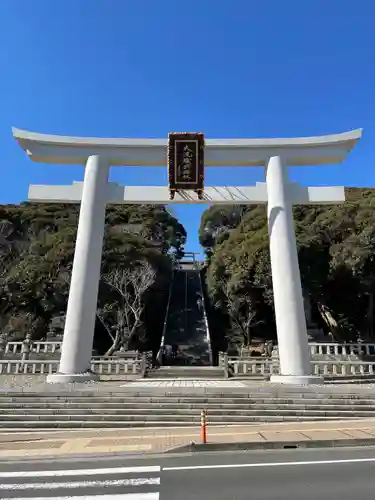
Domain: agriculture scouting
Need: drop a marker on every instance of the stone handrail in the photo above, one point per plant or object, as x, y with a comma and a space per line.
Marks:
235, 366
208, 334
332, 349
159, 355
37, 347
102, 366
335, 349
343, 368
316, 348
263, 367
116, 366
28, 349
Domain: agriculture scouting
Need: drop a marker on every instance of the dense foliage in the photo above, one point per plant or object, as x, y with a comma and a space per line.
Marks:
37, 247
336, 245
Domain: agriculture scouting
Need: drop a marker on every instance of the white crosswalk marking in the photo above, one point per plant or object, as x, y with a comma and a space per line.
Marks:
129, 496
41, 481
137, 481
80, 472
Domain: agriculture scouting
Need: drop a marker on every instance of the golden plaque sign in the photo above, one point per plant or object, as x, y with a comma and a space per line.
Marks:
186, 162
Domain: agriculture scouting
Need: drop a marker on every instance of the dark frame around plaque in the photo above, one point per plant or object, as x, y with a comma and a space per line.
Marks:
186, 162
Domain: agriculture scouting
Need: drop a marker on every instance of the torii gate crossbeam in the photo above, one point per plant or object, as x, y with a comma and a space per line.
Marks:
247, 195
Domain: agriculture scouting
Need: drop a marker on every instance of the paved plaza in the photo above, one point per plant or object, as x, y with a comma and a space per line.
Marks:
159, 384
109, 385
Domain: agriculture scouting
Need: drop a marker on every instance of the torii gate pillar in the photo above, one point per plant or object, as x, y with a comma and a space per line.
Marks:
279, 194
294, 356
83, 294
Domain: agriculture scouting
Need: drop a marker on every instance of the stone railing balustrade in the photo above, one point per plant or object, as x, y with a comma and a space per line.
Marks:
264, 367
35, 347
27, 350
337, 350
334, 349
344, 368
29, 367
102, 366
234, 365
316, 348
252, 367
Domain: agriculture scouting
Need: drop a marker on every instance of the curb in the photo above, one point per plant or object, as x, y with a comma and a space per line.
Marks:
273, 445
197, 448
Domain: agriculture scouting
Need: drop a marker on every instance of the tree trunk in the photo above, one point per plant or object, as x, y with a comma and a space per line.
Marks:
330, 322
115, 345
117, 340
133, 331
370, 316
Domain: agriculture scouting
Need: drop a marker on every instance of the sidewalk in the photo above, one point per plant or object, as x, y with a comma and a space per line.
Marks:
163, 440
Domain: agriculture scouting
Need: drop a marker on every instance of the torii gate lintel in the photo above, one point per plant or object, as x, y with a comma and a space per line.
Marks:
221, 195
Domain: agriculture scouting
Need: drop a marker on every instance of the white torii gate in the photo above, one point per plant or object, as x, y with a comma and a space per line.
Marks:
278, 192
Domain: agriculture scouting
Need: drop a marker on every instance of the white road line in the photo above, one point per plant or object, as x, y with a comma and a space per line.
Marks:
272, 464
138, 481
79, 472
126, 496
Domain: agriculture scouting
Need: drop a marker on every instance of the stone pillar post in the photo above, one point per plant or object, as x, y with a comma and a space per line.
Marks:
3, 344
294, 356
75, 363
26, 347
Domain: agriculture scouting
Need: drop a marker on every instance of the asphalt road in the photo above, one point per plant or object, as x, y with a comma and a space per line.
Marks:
342, 474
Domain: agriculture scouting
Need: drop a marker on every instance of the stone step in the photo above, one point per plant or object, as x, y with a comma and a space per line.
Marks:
179, 407
369, 405
90, 424
182, 408
183, 419
184, 412
186, 391
154, 376
195, 398
189, 403
190, 368
184, 415
186, 373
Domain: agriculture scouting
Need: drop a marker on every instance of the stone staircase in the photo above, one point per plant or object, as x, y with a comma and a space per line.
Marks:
187, 372
186, 327
84, 409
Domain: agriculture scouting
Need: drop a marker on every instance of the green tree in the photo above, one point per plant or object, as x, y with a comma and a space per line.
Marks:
37, 244
336, 246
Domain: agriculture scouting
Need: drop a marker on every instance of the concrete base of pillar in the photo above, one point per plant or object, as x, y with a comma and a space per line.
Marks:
69, 378
297, 379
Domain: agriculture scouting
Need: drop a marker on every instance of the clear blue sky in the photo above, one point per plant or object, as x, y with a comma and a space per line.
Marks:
142, 68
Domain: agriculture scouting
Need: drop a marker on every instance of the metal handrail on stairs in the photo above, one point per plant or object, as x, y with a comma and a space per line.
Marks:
208, 335
159, 355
